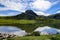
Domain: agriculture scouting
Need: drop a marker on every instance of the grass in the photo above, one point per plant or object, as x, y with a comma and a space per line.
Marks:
30, 38
44, 37
21, 21
11, 21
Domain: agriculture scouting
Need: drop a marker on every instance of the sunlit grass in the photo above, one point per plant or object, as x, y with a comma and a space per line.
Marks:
31, 38
42, 37
11, 21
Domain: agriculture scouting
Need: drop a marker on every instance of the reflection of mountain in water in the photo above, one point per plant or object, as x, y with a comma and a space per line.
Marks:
55, 25
31, 27
47, 30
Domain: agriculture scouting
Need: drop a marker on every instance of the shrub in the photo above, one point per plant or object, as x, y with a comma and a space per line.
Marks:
35, 34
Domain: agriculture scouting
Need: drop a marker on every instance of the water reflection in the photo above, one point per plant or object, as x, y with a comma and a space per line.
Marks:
26, 27
46, 30
12, 30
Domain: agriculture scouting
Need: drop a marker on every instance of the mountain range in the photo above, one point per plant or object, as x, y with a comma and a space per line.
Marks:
30, 15
55, 16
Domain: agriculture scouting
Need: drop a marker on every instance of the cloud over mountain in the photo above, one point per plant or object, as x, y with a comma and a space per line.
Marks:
22, 5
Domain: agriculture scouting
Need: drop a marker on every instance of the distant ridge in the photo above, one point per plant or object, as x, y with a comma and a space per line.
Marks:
31, 15
55, 16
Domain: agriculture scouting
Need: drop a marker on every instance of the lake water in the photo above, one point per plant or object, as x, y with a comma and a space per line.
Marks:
22, 30
46, 30
12, 30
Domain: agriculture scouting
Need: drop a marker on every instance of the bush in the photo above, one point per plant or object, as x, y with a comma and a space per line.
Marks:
35, 34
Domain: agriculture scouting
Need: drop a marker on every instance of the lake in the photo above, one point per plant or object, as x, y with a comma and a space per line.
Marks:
22, 30
12, 30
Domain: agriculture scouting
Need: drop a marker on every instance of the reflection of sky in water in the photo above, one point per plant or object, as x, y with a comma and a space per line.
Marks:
12, 30
9, 29
47, 29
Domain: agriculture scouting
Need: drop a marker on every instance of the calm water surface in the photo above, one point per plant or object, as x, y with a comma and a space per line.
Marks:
12, 30
24, 29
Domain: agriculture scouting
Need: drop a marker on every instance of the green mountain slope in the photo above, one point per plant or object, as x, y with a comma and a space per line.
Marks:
29, 14
55, 16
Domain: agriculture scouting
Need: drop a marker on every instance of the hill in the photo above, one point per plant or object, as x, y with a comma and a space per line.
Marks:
29, 14
55, 16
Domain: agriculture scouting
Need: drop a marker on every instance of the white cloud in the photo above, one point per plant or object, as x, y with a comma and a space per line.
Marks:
13, 5
9, 14
42, 4
42, 13
58, 11
19, 6
22, 5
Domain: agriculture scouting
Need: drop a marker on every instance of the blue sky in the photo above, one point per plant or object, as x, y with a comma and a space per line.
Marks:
41, 7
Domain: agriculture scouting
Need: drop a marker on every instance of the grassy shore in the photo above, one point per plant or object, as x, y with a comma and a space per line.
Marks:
44, 37
11, 21
21, 21
30, 38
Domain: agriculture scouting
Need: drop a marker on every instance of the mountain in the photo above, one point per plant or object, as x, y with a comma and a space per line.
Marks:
55, 16
29, 14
